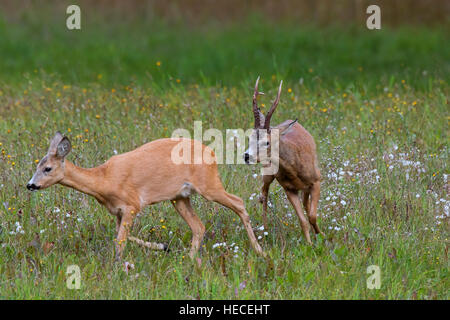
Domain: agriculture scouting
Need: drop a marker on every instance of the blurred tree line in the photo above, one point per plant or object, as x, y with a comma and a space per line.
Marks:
197, 12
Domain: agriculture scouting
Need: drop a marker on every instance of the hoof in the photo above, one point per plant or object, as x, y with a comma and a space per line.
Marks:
261, 198
166, 248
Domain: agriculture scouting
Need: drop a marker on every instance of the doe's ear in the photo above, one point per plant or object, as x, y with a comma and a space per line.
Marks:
285, 129
63, 148
54, 142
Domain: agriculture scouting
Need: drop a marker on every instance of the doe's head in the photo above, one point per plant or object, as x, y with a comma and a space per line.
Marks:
50, 169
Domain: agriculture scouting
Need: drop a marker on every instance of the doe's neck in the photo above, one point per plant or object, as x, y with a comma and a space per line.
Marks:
88, 181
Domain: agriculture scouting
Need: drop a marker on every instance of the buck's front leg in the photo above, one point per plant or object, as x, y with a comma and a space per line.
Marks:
126, 221
263, 198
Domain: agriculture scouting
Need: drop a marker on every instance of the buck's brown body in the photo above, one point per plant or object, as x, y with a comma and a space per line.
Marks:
298, 171
298, 165
128, 182
298, 159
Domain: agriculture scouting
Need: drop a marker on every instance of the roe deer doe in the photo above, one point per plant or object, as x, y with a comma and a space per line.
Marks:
128, 182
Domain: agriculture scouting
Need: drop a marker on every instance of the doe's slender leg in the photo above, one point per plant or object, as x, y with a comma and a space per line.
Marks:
184, 208
237, 205
125, 225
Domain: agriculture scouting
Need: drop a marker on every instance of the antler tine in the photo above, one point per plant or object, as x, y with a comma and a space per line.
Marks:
273, 107
256, 111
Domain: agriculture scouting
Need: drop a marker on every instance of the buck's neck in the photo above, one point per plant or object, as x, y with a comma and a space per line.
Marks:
88, 181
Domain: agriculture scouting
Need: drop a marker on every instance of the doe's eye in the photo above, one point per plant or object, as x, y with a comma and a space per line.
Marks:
267, 143
48, 169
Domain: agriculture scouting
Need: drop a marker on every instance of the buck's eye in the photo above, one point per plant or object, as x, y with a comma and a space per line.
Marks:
267, 143
48, 169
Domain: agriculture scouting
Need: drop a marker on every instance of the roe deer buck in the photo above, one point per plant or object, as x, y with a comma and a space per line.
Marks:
298, 165
128, 182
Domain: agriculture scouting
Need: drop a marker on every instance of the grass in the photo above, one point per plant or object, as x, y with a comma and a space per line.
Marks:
376, 103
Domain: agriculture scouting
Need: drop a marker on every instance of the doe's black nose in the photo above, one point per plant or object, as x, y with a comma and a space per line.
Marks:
246, 157
32, 186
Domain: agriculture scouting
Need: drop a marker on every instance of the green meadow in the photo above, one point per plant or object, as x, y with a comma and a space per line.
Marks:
376, 103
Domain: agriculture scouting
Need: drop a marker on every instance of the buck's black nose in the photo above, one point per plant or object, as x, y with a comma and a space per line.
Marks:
246, 157
32, 187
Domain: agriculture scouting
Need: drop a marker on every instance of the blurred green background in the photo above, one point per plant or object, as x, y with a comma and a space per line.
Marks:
225, 42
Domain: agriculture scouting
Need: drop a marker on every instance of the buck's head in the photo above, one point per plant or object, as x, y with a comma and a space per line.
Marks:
261, 138
50, 169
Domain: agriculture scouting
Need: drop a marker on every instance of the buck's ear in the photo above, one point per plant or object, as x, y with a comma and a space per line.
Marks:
285, 129
63, 148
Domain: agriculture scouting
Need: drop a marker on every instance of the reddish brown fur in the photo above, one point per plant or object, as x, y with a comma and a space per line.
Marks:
298, 166
298, 158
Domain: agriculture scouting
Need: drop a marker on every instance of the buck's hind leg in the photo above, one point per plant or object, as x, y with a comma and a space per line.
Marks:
307, 207
295, 201
184, 208
307, 201
312, 214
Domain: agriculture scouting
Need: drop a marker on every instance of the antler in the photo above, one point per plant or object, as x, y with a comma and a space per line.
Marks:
272, 108
259, 117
